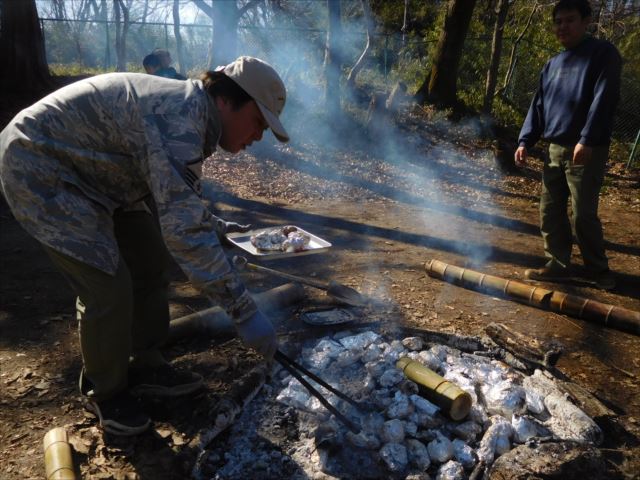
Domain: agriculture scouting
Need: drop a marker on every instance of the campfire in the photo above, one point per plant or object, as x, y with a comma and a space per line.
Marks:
401, 433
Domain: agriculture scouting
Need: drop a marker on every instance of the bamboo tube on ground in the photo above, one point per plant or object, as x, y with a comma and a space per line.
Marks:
454, 401
214, 321
58, 461
593, 311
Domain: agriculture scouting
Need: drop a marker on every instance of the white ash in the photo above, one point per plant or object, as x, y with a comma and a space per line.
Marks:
372, 353
464, 454
413, 344
393, 431
359, 342
524, 429
504, 398
570, 421
430, 360
395, 456
451, 471
418, 454
423, 405
406, 436
440, 449
391, 377
534, 402
495, 439
410, 429
400, 406
467, 431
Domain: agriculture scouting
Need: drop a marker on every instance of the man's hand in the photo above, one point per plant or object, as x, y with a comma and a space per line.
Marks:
582, 154
521, 156
257, 332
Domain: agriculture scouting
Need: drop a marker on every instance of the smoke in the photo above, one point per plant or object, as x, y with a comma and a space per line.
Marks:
417, 160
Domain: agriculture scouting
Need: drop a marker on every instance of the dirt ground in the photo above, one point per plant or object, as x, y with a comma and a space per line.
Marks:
387, 209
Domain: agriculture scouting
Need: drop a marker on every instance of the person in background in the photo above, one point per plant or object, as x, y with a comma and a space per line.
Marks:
166, 70
151, 64
573, 109
75, 169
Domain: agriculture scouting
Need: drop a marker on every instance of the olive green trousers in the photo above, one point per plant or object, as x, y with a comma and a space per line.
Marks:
562, 180
125, 317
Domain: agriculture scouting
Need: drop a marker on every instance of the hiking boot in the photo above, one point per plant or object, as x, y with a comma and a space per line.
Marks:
119, 415
549, 273
604, 280
163, 381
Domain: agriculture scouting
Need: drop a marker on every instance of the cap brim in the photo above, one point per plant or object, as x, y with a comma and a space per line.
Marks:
274, 123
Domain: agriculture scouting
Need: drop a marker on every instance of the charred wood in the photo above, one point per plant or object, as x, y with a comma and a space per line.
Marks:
227, 410
534, 353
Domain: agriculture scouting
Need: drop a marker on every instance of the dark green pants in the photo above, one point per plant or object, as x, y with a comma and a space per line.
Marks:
562, 180
126, 316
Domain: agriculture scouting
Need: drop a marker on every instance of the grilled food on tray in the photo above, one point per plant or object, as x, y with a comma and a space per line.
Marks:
283, 239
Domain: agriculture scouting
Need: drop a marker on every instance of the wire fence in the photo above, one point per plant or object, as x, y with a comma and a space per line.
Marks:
299, 56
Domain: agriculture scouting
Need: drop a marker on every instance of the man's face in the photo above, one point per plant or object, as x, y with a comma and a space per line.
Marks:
569, 27
165, 60
242, 127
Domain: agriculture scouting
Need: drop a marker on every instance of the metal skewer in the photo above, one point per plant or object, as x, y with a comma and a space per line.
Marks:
281, 357
292, 367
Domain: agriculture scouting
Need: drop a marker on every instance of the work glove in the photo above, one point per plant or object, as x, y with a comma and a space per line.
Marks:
258, 333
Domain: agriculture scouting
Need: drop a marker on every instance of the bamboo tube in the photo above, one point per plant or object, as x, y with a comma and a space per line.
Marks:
58, 461
454, 401
590, 310
215, 322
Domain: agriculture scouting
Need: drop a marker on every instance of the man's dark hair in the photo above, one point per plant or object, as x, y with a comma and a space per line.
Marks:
161, 51
217, 84
582, 6
151, 60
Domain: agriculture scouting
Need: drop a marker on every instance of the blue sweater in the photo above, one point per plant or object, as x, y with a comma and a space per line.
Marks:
576, 98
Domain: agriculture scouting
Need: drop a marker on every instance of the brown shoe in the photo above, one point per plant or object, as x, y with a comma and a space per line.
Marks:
547, 273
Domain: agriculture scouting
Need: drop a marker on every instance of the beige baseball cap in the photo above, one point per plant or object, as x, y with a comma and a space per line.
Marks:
265, 86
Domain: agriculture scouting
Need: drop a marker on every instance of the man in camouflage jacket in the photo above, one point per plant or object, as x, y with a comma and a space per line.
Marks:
75, 169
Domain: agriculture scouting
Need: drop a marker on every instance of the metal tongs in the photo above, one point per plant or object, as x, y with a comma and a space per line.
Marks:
296, 370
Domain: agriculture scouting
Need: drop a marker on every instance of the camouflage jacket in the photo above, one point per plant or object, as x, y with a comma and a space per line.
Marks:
106, 142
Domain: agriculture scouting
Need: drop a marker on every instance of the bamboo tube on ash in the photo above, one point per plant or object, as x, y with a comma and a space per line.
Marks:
590, 310
454, 401
57, 455
215, 322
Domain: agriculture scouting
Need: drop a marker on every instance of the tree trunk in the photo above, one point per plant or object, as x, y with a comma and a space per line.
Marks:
22, 48
104, 15
122, 27
225, 31
440, 86
176, 31
331, 58
351, 79
496, 52
224, 38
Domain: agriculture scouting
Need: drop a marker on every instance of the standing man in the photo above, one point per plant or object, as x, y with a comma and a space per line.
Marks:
573, 110
75, 169
151, 64
166, 70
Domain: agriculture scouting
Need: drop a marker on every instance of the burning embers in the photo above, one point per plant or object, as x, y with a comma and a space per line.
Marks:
408, 434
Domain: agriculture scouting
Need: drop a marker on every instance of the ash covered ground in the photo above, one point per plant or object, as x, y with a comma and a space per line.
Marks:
402, 435
433, 192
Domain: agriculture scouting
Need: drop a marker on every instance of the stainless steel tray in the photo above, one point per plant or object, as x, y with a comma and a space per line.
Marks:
243, 241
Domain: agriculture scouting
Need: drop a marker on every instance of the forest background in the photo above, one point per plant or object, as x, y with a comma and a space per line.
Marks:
496, 48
